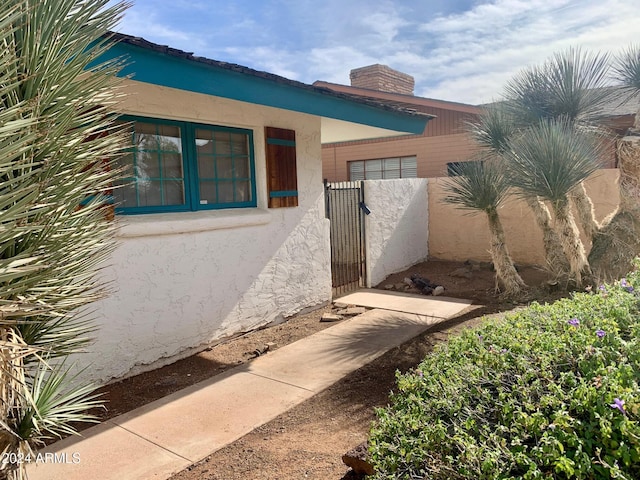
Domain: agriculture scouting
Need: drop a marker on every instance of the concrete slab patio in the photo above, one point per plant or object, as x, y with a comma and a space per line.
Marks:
163, 437
439, 307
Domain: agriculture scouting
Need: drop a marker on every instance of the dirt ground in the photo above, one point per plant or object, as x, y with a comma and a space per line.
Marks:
308, 441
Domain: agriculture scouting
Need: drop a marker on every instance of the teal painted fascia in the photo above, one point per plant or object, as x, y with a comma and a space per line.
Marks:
157, 68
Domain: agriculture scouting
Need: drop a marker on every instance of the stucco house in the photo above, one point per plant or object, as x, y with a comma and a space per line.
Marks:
221, 225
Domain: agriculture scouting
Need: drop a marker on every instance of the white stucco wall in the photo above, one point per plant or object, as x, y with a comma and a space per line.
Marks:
184, 280
397, 230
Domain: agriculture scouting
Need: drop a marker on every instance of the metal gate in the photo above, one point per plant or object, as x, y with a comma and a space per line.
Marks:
345, 208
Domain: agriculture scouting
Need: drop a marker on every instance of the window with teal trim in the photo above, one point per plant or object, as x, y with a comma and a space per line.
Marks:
184, 166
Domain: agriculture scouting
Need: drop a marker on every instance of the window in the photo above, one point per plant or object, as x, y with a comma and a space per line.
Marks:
383, 168
183, 166
453, 168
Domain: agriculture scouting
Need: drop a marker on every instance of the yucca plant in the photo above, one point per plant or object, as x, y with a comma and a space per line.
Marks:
569, 86
618, 242
493, 130
480, 186
57, 145
548, 161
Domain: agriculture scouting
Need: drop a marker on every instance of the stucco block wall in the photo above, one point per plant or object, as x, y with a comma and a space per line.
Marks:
432, 153
397, 230
183, 280
454, 235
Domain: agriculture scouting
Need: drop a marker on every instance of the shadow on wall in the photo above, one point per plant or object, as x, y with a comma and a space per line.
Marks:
455, 235
176, 293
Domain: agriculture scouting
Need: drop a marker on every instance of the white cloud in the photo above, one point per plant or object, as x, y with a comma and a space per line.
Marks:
465, 56
481, 49
266, 58
147, 25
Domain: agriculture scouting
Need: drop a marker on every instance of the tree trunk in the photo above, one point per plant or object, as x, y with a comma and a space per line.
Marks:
571, 243
507, 275
586, 213
12, 382
557, 262
618, 242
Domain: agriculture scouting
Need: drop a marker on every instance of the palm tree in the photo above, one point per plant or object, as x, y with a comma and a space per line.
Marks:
57, 147
480, 186
548, 161
615, 246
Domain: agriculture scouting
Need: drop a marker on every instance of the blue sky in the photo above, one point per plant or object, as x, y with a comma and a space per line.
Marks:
459, 50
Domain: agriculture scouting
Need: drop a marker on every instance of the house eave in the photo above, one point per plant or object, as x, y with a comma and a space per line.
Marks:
158, 65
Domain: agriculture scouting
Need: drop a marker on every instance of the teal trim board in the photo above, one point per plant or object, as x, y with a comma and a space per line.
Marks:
283, 193
279, 141
158, 68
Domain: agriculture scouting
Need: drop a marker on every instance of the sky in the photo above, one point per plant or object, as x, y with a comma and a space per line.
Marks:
457, 50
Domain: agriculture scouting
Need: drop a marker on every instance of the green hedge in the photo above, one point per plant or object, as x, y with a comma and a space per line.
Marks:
550, 392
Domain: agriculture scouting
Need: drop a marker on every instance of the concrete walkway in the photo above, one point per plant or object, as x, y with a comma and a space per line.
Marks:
163, 437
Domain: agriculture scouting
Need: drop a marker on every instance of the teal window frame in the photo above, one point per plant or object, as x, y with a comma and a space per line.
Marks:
191, 179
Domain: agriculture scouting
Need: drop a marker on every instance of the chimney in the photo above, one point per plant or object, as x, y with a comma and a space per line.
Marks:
382, 78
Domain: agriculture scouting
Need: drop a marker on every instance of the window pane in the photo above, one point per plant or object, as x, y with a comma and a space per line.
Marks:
147, 165
409, 167
172, 166
222, 143
169, 139
206, 166
225, 167
373, 174
149, 193
239, 145
356, 170
157, 167
225, 175
242, 169
144, 135
125, 162
225, 192
204, 141
391, 163
392, 173
125, 195
173, 192
243, 191
207, 193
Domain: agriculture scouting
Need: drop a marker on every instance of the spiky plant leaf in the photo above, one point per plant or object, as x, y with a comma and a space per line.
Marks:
493, 128
569, 85
550, 159
58, 146
55, 404
478, 185
627, 69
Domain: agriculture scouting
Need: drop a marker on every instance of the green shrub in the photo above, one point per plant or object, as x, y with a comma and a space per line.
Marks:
550, 392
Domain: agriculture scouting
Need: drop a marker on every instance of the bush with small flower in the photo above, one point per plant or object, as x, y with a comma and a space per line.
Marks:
550, 392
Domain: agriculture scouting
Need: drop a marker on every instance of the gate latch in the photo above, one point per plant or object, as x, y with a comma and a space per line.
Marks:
364, 208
